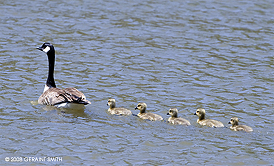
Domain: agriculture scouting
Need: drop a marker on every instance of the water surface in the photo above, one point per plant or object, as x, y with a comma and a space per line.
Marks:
212, 54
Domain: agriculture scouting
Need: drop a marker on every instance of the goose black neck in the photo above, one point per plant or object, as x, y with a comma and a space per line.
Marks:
51, 59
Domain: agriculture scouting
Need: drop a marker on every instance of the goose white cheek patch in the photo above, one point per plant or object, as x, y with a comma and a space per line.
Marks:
46, 49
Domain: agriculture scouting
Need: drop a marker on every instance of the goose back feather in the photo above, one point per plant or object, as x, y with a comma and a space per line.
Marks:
55, 96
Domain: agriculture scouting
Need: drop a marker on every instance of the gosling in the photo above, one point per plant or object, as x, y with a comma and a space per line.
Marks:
236, 127
173, 112
207, 122
117, 111
143, 115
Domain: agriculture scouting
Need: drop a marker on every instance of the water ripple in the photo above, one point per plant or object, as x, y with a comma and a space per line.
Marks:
211, 54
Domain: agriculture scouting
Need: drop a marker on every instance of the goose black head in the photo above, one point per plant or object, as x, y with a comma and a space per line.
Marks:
46, 47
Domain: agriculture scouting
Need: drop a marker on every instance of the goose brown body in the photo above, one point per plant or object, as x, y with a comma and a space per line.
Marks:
55, 96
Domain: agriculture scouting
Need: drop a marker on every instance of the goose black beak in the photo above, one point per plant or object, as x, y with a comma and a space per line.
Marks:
195, 113
168, 113
136, 108
229, 122
39, 48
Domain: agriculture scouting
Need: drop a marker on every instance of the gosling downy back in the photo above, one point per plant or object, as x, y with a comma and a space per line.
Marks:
143, 115
236, 127
173, 112
117, 111
207, 122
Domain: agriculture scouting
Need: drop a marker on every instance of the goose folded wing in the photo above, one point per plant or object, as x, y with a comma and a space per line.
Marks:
75, 96
54, 96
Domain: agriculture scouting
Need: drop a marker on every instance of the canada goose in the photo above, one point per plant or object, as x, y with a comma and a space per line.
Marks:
68, 97
173, 112
117, 111
143, 115
236, 127
206, 122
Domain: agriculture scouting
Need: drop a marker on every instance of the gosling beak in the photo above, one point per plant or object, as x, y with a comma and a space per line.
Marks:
168, 113
229, 122
195, 113
136, 108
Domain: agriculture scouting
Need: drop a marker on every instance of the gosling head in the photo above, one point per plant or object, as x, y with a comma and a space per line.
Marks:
142, 107
200, 113
46, 47
173, 112
111, 103
234, 121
